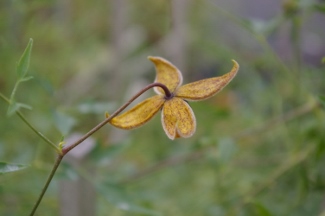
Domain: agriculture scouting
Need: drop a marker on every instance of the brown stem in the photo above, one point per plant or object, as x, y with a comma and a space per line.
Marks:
100, 125
48, 181
96, 128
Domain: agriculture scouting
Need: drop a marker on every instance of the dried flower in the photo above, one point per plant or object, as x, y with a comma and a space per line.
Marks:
177, 117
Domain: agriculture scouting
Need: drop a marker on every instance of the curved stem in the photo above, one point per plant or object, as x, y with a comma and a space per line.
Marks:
64, 151
47, 183
166, 90
100, 125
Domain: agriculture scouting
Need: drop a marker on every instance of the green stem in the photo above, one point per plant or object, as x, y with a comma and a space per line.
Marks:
47, 183
22, 117
4, 98
38, 133
14, 90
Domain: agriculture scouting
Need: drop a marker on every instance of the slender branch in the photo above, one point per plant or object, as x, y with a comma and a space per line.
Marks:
14, 90
39, 133
4, 98
47, 183
100, 125
23, 118
96, 128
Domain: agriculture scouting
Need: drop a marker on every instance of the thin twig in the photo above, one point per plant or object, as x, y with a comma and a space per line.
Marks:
96, 128
23, 118
47, 183
100, 125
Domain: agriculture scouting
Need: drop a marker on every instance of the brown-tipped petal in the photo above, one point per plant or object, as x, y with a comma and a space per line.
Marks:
139, 114
167, 74
178, 119
206, 88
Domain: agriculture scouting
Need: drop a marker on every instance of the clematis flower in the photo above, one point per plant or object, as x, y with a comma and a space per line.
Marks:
177, 117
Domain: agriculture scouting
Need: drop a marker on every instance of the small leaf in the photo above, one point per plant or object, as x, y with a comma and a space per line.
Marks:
23, 63
25, 106
61, 143
323, 60
15, 106
25, 79
8, 167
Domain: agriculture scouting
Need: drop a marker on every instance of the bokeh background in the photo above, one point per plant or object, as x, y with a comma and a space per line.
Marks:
259, 148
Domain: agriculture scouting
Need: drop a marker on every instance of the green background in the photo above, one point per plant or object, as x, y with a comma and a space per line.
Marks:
259, 148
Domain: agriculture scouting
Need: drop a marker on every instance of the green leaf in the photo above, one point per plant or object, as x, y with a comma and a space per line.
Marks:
23, 63
25, 106
25, 79
323, 60
15, 106
8, 167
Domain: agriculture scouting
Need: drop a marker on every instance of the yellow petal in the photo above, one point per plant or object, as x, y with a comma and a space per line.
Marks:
167, 74
139, 114
178, 118
206, 88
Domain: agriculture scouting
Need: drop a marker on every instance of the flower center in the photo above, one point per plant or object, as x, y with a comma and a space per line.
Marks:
169, 96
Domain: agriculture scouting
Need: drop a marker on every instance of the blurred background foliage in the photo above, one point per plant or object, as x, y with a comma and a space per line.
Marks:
259, 148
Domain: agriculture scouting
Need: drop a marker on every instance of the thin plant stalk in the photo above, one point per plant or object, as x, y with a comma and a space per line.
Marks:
47, 183
23, 118
65, 150
167, 93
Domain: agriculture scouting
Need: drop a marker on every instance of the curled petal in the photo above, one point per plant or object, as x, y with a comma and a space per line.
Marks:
139, 114
206, 88
167, 74
178, 119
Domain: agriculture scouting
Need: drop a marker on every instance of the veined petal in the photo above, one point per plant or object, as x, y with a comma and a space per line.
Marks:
178, 118
167, 74
139, 114
206, 88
